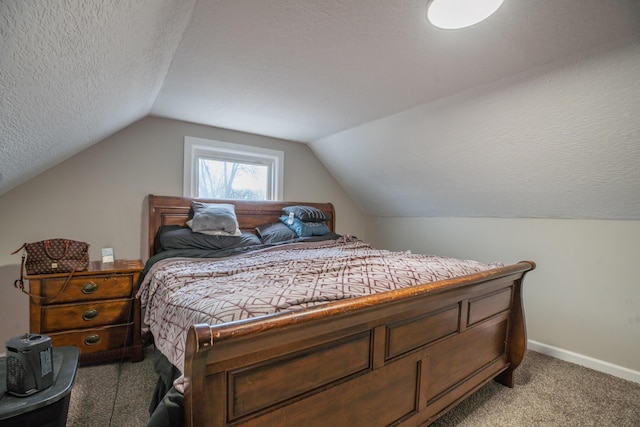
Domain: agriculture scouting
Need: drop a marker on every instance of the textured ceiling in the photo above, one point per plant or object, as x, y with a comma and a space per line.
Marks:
313, 71
73, 72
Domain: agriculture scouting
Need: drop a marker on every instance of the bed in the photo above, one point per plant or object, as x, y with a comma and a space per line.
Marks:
401, 356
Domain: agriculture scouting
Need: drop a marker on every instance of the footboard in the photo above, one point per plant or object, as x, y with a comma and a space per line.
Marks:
397, 358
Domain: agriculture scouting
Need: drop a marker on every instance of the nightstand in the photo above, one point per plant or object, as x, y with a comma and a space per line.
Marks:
97, 311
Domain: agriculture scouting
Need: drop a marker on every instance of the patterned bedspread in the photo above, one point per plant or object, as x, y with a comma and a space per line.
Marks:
179, 292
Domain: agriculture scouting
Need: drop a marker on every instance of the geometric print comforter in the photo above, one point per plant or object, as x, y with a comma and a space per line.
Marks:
179, 292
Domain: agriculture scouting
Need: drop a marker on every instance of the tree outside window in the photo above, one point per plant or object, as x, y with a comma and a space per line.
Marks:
220, 179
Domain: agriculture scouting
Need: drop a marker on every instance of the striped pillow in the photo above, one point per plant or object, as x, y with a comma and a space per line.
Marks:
306, 213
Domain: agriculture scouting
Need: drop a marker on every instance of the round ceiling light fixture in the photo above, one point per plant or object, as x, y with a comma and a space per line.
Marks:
455, 14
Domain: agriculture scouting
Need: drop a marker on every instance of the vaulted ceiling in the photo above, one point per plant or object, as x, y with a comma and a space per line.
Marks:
338, 75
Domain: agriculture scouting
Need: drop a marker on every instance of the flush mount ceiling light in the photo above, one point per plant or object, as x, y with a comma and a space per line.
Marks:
454, 14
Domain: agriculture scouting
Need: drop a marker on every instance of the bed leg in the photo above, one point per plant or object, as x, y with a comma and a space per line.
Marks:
506, 378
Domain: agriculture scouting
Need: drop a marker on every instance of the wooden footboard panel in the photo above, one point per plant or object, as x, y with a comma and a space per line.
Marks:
398, 358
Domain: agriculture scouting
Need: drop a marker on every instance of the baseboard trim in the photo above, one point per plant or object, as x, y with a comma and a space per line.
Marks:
589, 362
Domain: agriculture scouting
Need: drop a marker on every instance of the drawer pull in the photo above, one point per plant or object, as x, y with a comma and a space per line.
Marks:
90, 314
89, 288
92, 339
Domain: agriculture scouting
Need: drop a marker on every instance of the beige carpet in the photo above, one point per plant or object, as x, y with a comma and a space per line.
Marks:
95, 403
551, 392
548, 392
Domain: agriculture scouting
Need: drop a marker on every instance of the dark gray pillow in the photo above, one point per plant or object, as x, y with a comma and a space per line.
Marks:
275, 232
214, 218
184, 238
306, 213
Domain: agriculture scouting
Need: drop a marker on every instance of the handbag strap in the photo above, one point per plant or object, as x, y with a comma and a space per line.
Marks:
24, 245
47, 249
19, 283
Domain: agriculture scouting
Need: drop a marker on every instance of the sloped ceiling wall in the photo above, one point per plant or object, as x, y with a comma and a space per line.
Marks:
561, 142
74, 72
410, 119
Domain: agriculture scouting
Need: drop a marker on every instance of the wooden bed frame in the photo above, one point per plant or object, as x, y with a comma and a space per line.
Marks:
397, 358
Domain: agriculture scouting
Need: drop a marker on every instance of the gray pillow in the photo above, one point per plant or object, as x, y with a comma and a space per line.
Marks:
214, 218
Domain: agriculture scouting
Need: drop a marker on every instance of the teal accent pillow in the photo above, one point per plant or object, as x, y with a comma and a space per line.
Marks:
305, 229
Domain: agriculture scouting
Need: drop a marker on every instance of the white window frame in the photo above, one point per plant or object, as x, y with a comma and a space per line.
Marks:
196, 147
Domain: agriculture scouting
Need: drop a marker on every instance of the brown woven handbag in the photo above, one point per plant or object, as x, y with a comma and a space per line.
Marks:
56, 256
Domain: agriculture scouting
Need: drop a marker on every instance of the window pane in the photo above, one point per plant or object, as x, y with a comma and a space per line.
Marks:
258, 172
220, 179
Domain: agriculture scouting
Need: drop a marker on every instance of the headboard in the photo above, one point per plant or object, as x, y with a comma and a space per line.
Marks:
173, 210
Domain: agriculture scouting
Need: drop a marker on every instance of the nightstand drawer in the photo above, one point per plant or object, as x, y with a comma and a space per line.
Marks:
94, 340
86, 315
89, 288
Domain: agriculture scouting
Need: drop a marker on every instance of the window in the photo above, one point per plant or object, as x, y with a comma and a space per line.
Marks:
221, 170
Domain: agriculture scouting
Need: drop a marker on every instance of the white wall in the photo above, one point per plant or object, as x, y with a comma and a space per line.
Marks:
584, 295
99, 196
